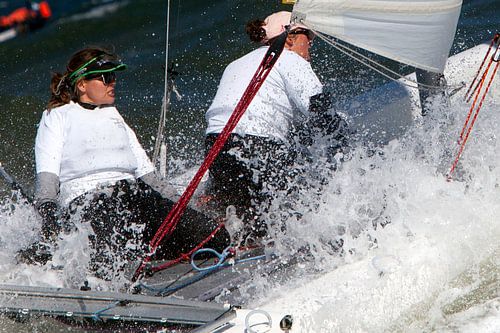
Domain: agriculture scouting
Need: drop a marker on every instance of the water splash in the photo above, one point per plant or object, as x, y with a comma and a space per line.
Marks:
389, 204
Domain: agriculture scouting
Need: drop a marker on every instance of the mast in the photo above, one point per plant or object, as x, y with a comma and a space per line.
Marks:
427, 78
160, 150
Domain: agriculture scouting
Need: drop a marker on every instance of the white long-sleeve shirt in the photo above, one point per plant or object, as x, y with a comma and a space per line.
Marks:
88, 148
282, 99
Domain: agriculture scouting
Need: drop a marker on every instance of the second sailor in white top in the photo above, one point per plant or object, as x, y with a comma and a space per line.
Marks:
257, 158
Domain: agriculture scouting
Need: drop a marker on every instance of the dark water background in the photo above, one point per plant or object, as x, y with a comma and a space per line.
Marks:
204, 37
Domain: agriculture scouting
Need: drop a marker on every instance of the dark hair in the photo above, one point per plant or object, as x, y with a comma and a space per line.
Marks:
255, 31
62, 91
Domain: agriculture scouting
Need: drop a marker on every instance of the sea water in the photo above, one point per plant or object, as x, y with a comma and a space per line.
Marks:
382, 199
436, 253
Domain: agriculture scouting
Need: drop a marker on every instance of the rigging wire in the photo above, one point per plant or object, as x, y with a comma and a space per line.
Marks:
14, 184
372, 64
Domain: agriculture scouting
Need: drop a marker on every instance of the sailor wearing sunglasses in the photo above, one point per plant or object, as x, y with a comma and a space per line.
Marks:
257, 154
256, 161
88, 160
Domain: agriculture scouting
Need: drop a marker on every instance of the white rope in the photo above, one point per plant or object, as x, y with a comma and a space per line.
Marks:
370, 63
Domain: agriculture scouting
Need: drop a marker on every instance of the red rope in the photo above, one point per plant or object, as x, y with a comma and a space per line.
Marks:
477, 91
186, 256
468, 125
479, 84
169, 224
467, 97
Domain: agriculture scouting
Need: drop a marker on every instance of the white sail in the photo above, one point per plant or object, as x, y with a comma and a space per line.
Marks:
415, 32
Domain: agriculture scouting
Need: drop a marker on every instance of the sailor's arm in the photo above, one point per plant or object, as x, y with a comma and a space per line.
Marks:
325, 119
46, 192
323, 123
48, 152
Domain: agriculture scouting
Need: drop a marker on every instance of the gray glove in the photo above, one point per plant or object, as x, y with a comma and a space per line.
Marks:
51, 227
46, 191
40, 251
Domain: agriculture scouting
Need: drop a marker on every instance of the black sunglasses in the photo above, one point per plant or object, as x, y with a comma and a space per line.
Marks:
106, 77
310, 35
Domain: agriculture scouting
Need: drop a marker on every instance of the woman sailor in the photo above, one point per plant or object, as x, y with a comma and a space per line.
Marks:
89, 159
257, 157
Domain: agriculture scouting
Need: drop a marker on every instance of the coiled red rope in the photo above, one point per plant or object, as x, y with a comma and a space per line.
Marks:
169, 224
